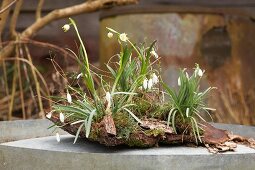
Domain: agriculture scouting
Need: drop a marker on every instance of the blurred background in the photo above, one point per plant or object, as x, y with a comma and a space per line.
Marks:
219, 35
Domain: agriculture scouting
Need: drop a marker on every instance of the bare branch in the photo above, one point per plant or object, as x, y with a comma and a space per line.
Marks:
4, 12
15, 18
88, 6
39, 9
6, 7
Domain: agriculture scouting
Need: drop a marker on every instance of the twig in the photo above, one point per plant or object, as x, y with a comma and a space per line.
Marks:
88, 6
6, 7
13, 92
15, 18
3, 15
37, 84
39, 10
20, 83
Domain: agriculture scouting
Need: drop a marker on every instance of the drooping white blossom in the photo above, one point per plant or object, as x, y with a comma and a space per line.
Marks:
49, 114
61, 117
58, 137
187, 75
123, 37
66, 27
155, 78
150, 84
187, 112
145, 84
108, 99
179, 81
110, 35
200, 72
153, 53
79, 75
68, 97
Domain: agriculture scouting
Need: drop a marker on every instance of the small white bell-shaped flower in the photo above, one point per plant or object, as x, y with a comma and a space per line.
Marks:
66, 27
61, 117
123, 37
58, 137
68, 97
145, 83
49, 114
179, 81
108, 98
155, 78
153, 53
150, 84
110, 35
79, 75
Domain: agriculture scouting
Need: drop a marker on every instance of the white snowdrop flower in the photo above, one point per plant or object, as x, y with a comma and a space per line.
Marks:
145, 84
155, 78
187, 75
123, 37
68, 97
79, 75
66, 27
200, 72
187, 112
150, 83
108, 99
58, 137
110, 35
179, 81
61, 117
49, 115
153, 53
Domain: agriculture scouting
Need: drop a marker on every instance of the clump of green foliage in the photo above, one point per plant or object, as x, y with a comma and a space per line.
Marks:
133, 93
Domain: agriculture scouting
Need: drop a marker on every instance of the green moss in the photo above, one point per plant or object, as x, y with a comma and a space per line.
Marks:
125, 124
154, 132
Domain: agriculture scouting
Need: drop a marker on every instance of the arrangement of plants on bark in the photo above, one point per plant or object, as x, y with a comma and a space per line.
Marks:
131, 105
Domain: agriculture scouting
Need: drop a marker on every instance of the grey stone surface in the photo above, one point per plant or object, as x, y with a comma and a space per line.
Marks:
45, 153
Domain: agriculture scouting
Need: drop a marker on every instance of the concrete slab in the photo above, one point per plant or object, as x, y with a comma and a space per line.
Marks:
46, 153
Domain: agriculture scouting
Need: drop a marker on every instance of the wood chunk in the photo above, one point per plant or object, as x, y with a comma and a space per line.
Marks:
155, 124
109, 124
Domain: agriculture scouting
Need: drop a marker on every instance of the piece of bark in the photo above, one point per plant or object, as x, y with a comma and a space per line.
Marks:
109, 124
214, 135
154, 124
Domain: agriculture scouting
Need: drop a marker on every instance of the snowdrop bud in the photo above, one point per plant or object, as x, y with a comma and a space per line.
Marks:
49, 115
123, 37
154, 78
68, 97
200, 72
66, 27
145, 84
110, 35
150, 83
179, 81
187, 75
108, 97
153, 53
79, 75
62, 117
187, 112
58, 137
